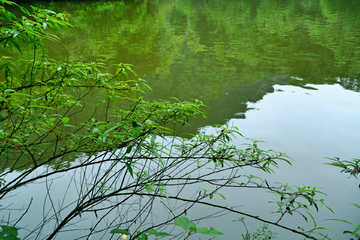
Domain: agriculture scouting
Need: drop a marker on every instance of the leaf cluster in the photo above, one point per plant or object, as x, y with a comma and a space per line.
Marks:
30, 28
352, 167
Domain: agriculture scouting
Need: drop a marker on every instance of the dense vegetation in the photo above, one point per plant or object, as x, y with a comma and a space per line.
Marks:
57, 117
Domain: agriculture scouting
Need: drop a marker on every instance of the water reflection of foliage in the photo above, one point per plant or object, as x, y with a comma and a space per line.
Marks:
206, 45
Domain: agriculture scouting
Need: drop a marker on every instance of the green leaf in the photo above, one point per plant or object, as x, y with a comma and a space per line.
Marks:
128, 150
65, 119
135, 128
37, 106
212, 231
149, 188
96, 130
184, 222
110, 130
16, 45
152, 140
128, 166
356, 229
7, 15
125, 73
121, 231
340, 220
356, 205
9, 233
142, 236
318, 227
157, 155
312, 218
193, 229
303, 216
221, 195
156, 233
24, 10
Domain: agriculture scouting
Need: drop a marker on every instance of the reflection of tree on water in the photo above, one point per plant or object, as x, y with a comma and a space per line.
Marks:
350, 83
230, 102
314, 42
215, 50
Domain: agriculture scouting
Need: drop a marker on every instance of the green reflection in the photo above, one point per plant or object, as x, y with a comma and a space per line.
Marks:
225, 53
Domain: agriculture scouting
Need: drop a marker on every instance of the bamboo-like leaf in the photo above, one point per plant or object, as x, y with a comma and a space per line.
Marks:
356, 229
157, 155
121, 231
341, 220
16, 45
24, 10
38, 106
128, 150
128, 166
136, 128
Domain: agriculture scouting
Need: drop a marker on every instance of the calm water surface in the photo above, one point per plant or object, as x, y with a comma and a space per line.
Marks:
285, 72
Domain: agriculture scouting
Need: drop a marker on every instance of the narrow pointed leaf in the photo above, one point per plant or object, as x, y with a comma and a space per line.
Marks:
121, 231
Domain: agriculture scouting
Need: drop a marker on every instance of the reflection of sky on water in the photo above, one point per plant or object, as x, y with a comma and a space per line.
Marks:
294, 120
310, 125
326, 116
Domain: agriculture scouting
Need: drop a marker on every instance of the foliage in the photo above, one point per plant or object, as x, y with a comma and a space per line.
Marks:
183, 222
352, 167
82, 120
186, 224
290, 204
9, 233
30, 28
261, 233
354, 233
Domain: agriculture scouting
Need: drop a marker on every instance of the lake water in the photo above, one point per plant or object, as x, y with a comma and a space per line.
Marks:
284, 72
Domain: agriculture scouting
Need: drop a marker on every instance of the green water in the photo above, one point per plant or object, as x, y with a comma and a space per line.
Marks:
225, 53
286, 72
